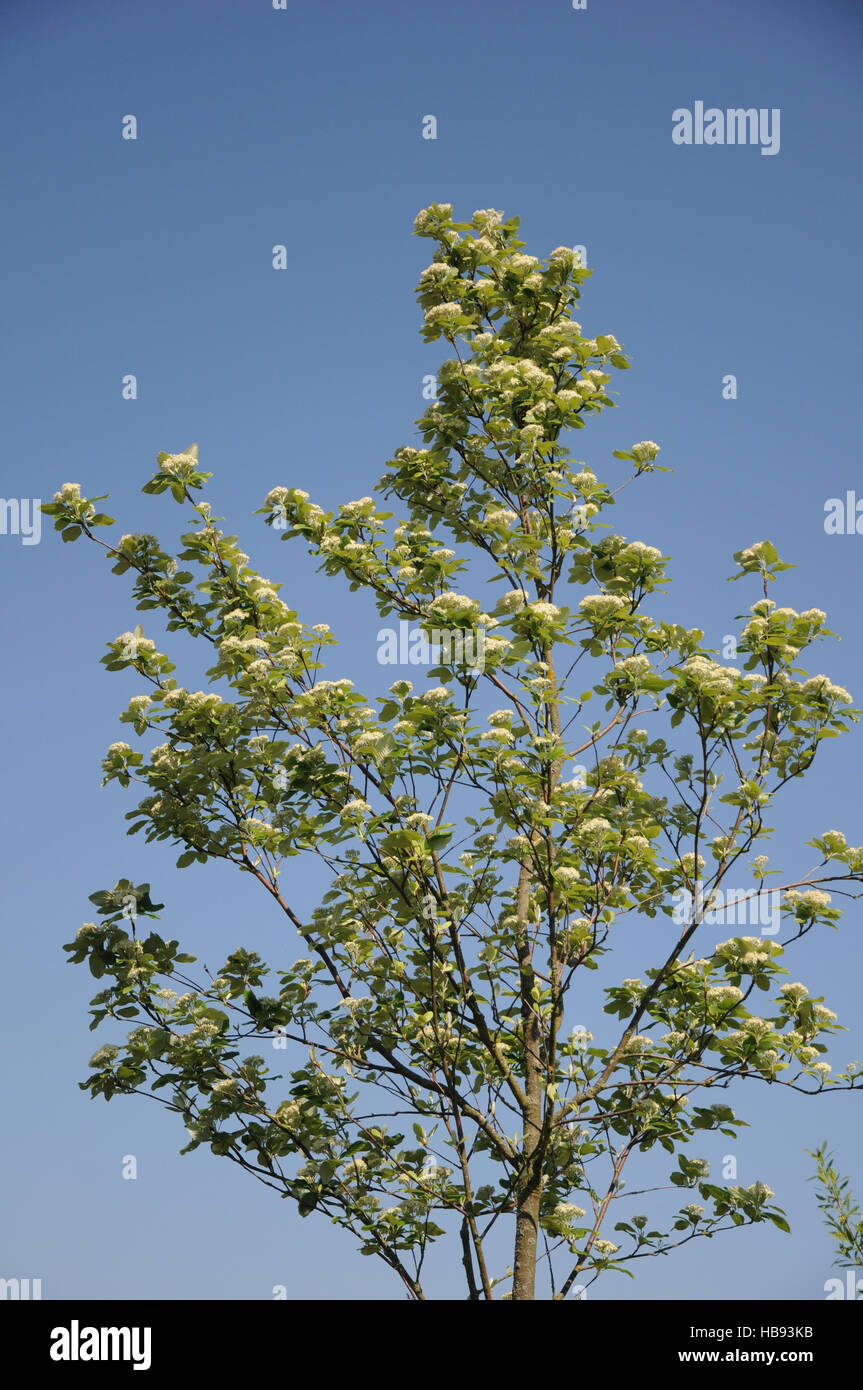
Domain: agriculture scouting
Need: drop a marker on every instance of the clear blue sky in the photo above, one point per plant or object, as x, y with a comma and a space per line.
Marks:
153, 257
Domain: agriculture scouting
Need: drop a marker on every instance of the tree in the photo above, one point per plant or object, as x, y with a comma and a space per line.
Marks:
841, 1212
474, 886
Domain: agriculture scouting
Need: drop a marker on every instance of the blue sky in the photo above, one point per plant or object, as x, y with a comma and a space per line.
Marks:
153, 257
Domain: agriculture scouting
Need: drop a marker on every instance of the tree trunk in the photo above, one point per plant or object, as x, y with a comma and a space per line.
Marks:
529, 1192
529, 1186
529, 1189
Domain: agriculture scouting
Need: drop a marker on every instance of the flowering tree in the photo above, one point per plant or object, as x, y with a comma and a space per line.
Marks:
417, 1075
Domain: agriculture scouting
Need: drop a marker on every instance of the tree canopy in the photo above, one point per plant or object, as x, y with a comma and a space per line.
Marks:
421, 1072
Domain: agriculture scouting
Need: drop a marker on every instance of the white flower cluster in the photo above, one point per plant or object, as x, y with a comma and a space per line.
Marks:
138, 644
647, 553
822, 686
500, 734
725, 994
191, 701
794, 991
103, 1057
427, 218
438, 695
485, 219
276, 497
753, 556
69, 492
226, 1089
597, 825
360, 507
367, 741
691, 864
567, 1212
512, 602
644, 451
756, 1027
545, 612
809, 901
238, 646
605, 1247
630, 672
741, 946
500, 516
710, 677
180, 465
501, 718
288, 1113
446, 315
760, 1191
436, 272
637, 844
451, 606
599, 608
533, 375
342, 686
